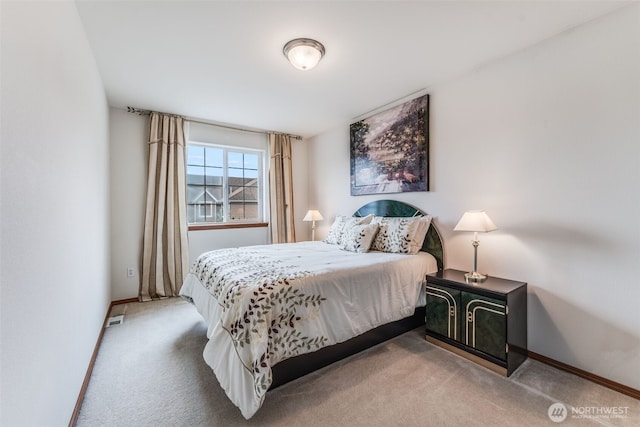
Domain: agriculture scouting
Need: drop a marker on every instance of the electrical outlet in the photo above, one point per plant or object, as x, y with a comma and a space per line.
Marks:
131, 272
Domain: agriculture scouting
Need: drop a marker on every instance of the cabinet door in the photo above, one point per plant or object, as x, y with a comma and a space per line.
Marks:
485, 324
443, 311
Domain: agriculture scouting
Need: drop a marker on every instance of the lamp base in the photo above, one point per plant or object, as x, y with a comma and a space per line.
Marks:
475, 277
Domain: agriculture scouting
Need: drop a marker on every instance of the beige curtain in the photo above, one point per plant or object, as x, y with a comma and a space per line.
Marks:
281, 189
165, 260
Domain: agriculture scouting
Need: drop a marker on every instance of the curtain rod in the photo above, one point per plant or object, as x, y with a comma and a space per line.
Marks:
142, 112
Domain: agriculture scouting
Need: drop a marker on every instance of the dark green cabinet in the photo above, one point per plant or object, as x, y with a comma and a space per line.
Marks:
485, 322
442, 314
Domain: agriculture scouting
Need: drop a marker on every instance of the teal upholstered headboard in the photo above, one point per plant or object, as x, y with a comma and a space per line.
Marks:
432, 242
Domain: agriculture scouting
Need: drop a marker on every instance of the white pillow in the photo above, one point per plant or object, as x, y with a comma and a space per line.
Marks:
400, 235
358, 238
421, 232
341, 223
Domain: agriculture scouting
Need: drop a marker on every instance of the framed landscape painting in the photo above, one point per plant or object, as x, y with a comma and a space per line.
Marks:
390, 150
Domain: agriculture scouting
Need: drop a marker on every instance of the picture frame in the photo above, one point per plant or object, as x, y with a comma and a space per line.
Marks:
390, 150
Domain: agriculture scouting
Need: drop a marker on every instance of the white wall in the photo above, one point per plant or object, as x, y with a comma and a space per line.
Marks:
128, 153
300, 164
546, 141
54, 213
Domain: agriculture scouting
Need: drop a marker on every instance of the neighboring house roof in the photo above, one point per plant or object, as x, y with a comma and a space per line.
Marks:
200, 199
241, 191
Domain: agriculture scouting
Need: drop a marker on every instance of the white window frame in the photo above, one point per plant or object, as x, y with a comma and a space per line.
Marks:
226, 205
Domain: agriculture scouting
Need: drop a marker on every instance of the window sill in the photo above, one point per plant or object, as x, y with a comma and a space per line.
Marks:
229, 225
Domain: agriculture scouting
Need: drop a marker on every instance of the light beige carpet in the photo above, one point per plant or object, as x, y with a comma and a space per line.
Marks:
150, 372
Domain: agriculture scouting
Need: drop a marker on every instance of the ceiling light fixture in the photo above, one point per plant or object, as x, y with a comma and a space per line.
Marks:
304, 54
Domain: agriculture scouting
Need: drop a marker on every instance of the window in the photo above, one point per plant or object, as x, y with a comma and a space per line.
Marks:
224, 184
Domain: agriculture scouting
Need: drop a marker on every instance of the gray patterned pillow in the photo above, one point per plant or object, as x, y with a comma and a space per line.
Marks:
358, 238
341, 223
400, 235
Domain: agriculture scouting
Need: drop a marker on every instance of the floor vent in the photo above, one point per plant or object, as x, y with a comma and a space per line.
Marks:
115, 320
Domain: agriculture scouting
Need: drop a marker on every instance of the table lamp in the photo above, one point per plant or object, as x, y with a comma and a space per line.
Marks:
476, 221
313, 216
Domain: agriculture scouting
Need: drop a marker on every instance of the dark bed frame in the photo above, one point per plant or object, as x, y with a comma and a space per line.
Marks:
298, 366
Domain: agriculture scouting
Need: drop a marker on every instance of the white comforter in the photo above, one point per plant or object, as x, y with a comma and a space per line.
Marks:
264, 304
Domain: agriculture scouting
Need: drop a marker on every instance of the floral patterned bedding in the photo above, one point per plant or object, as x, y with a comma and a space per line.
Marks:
264, 304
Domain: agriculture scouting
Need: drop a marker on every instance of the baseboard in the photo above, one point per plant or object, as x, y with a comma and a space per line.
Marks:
92, 361
621, 388
123, 301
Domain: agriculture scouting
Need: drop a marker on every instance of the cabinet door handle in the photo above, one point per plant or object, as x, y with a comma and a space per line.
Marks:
469, 317
452, 311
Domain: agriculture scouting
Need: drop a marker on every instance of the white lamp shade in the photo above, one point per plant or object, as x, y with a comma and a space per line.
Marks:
477, 221
304, 54
313, 215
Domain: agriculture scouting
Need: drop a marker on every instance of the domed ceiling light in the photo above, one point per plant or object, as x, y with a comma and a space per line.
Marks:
304, 54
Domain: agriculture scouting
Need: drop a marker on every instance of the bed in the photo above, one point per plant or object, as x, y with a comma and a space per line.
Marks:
277, 312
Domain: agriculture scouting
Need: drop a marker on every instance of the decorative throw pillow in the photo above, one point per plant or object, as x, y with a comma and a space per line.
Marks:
341, 223
358, 238
421, 232
335, 231
400, 235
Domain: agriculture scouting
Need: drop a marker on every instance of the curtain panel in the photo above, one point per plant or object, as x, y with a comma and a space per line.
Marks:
165, 260
281, 189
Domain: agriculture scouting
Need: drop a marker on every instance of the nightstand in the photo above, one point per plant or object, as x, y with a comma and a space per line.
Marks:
484, 322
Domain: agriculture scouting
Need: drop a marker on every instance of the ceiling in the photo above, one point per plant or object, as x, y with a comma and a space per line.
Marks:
222, 61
